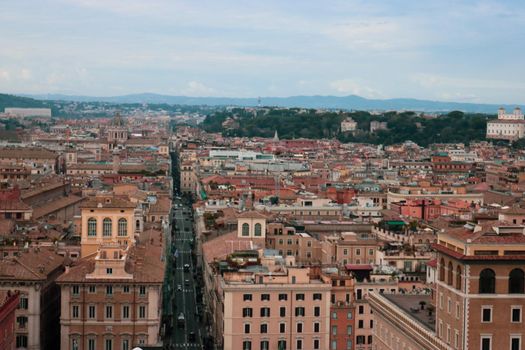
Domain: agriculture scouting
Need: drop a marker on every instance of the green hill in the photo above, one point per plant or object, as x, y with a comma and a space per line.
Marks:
7, 101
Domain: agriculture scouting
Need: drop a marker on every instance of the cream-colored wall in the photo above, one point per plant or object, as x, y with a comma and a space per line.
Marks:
91, 244
251, 222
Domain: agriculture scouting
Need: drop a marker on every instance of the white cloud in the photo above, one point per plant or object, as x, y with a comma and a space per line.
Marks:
435, 80
25, 74
375, 34
5, 75
195, 88
349, 86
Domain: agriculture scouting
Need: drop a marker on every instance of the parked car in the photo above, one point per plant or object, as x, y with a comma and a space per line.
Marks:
181, 321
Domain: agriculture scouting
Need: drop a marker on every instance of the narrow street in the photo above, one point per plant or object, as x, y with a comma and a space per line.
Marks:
187, 312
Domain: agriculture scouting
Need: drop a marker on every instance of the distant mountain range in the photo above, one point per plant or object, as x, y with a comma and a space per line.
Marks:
351, 102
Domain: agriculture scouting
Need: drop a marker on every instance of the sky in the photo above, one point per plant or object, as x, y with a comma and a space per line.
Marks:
450, 50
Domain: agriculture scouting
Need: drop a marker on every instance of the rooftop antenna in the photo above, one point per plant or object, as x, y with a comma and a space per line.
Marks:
259, 101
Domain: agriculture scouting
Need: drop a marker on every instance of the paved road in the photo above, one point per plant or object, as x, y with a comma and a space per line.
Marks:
185, 299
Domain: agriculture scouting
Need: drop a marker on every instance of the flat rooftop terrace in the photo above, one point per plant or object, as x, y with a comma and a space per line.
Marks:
410, 303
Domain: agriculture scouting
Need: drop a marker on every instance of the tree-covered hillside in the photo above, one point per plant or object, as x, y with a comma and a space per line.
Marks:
296, 123
7, 101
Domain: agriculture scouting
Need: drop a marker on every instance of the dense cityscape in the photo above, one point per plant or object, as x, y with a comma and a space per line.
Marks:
140, 230
262, 175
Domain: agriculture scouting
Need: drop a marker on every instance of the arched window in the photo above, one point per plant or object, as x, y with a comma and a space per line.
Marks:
106, 227
458, 277
122, 227
450, 273
92, 227
442, 270
258, 229
517, 281
487, 281
245, 229
137, 225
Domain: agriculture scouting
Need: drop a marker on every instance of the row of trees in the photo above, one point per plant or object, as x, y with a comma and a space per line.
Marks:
294, 123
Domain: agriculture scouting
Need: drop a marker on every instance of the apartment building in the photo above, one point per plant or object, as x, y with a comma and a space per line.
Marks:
287, 308
113, 300
9, 302
105, 219
481, 286
33, 272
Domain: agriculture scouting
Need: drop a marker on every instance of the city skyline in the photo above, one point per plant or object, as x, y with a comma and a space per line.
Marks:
464, 52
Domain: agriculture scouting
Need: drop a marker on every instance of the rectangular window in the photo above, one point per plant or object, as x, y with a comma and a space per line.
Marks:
109, 311
299, 296
92, 311
299, 328
318, 296
317, 311
283, 297
125, 289
265, 345
361, 309
142, 291
516, 314
349, 330
360, 324
24, 303
247, 312
265, 297
334, 345
334, 330
281, 345
265, 312
109, 271
142, 311
125, 344
299, 344
247, 297
316, 344
91, 344
349, 315
486, 343
75, 290
125, 311
109, 344
75, 312
109, 290
264, 328
515, 343
299, 311
486, 314
282, 327
92, 289
317, 327
246, 328
282, 311
334, 315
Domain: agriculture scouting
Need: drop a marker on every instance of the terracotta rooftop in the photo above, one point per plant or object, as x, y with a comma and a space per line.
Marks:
143, 262
220, 247
26, 153
252, 214
55, 205
33, 264
107, 202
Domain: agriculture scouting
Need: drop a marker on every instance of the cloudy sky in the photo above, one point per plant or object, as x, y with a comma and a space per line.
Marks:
472, 51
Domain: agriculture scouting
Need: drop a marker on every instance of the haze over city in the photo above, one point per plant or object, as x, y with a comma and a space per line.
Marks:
466, 51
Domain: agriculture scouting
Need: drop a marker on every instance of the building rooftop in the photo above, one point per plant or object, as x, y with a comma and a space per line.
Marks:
411, 304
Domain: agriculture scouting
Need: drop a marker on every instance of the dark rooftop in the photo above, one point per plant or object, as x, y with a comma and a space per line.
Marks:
411, 305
